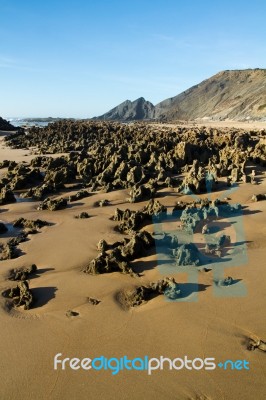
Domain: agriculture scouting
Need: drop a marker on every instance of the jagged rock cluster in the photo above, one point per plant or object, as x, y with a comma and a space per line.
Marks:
30, 226
259, 153
6, 196
141, 294
9, 250
215, 249
82, 215
186, 254
140, 157
21, 274
102, 203
81, 194
203, 210
22, 295
53, 204
132, 220
116, 257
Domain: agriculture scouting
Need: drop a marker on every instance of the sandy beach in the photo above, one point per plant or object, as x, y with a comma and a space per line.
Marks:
203, 325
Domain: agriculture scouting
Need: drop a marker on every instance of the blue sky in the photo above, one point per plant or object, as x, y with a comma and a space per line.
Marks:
80, 58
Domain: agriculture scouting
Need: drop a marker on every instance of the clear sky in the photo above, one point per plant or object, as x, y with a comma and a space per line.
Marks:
80, 58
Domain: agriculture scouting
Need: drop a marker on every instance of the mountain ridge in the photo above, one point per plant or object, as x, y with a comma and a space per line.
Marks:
229, 94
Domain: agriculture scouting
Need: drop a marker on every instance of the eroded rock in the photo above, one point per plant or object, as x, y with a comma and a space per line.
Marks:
82, 215
22, 295
53, 204
23, 273
142, 294
187, 254
120, 254
7, 196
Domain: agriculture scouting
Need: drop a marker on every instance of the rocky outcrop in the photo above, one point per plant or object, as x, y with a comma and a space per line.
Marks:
258, 197
129, 220
142, 294
22, 295
81, 194
53, 204
7, 196
3, 228
23, 273
30, 226
187, 254
121, 253
142, 158
102, 203
141, 192
8, 251
132, 220
6, 126
82, 215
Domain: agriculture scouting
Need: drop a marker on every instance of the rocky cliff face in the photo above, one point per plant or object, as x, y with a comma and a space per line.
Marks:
236, 95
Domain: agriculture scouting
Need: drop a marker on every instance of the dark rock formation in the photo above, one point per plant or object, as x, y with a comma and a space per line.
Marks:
53, 204
81, 194
22, 295
8, 251
141, 192
82, 215
121, 253
132, 220
187, 254
141, 294
102, 203
139, 157
21, 274
258, 197
3, 228
7, 196
30, 226
6, 126
154, 207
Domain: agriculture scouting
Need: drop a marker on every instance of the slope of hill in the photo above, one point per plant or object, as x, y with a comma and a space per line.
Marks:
139, 109
234, 95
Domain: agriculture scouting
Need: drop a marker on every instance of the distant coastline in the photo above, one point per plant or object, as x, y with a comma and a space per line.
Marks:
29, 122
